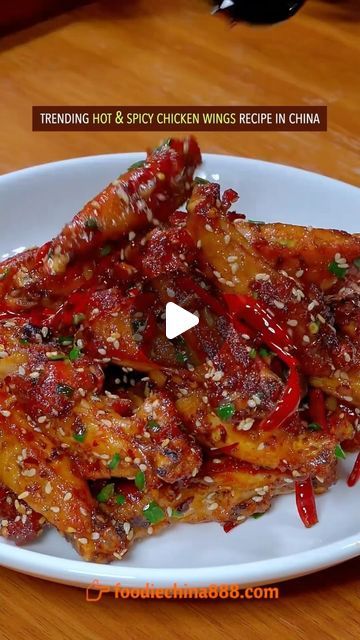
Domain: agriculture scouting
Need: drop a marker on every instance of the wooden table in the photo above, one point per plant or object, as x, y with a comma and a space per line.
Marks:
173, 53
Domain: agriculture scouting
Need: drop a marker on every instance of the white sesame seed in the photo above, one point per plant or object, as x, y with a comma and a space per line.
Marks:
279, 304
312, 305
292, 323
48, 488
23, 495
245, 424
29, 473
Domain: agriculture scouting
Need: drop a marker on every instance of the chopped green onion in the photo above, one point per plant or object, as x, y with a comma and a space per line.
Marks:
339, 452
337, 270
78, 318
257, 515
181, 357
225, 411
153, 425
137, 165
64, 389
74, 354
65, 340
252, 353
264, 353
91, 223
80, 437
120, 499
154, 513
314, 426
113, 463
106, 493
175, 513
286, 243
199, 180
140, 480
24, 341
105, 250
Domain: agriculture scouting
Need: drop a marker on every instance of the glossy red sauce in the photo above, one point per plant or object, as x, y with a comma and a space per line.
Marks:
16, 530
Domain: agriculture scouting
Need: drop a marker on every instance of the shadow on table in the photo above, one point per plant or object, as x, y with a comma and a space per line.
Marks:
331, 10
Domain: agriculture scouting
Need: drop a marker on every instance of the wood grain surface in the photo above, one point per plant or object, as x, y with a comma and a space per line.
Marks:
169, 52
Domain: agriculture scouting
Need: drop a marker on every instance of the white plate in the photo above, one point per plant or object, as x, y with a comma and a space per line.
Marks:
33, 205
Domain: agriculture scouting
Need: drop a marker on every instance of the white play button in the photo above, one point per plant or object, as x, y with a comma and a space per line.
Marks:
178, 320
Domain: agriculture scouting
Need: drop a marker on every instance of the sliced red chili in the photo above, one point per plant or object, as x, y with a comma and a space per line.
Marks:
275, 337
317, 408
305, 502
228, 526
288, 403
355, 474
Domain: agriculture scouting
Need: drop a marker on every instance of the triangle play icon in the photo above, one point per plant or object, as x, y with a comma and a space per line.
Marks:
178, 320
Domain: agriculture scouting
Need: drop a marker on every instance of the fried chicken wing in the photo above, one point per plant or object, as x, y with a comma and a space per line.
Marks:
47, 479
147, 192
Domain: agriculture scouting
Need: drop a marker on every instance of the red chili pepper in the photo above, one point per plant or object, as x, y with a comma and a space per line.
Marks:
217, 306
189, 285
317, 408
228, 526
287, 405
260, 319
275, 337
42, 252
305, 502
355, 474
